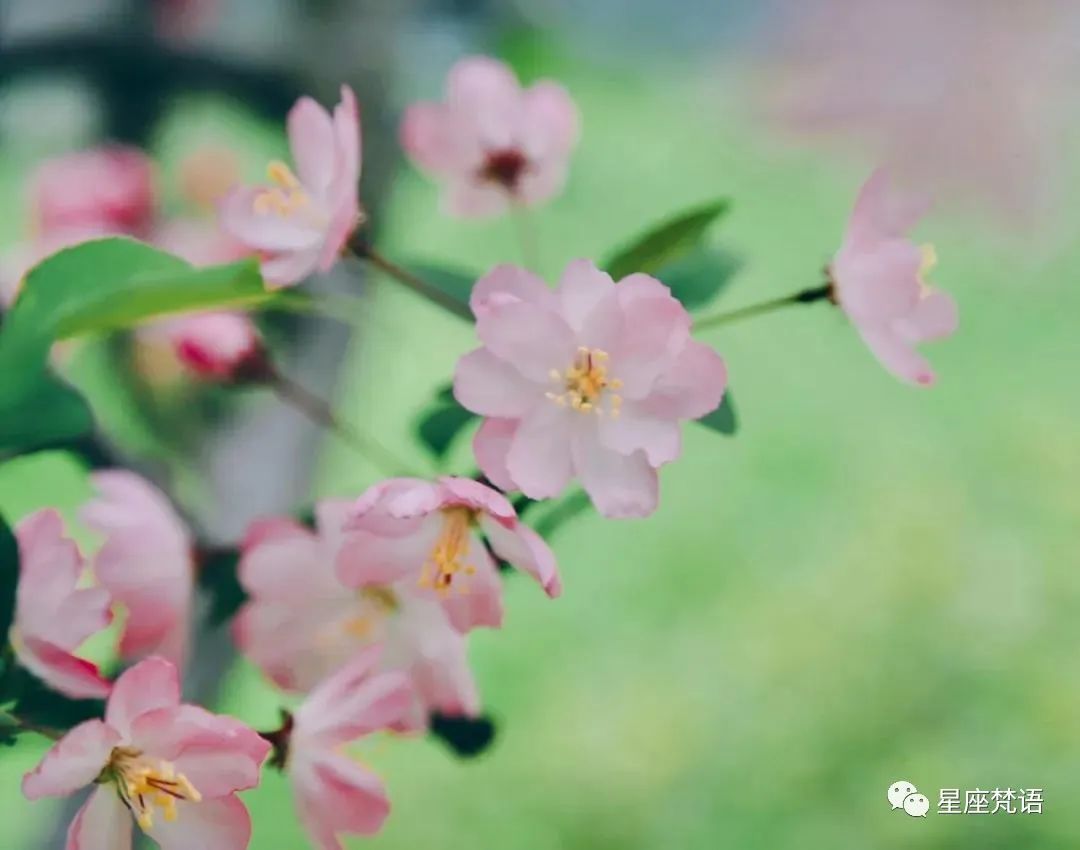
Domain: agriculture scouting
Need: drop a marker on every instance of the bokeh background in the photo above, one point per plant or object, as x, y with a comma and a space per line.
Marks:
868, 583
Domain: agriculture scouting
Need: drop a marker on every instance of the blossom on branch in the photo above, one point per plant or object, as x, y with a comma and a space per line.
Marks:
493, 143
174, 769
54, 615
878, 280
302, 221
302, 623
335, 794
588, 381
146, 562
108, 189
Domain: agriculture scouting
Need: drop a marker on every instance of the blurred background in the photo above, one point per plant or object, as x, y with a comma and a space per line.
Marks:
867, 583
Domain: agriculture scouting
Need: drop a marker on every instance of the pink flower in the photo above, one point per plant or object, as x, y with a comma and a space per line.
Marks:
335, 794
175, 769
146, 562
110, 188
877, 278
429, 533
302, 222
589, 381
212, 345
53, 615
302, 623
492, 142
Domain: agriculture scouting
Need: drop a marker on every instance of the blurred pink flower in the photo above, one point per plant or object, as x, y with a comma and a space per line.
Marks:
492, 142
174, 768
432, 533
53, 615
110, 188
589, 381
302, 623
303, 221
212, 345
877, 278
967, 98
335, 794
146, 562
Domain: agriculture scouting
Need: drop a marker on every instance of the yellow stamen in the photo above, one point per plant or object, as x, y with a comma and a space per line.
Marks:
445, 562
286, 197
929, 261
146, 784
376, 603
587, 384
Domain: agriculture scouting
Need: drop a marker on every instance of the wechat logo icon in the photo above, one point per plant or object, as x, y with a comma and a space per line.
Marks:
904, 795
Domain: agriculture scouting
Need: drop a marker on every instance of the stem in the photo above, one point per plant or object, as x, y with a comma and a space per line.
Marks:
319, 412
805, 296
525, 233
405, 277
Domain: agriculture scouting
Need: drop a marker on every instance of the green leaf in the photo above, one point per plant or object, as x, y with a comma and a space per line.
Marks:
722, 420
219, 578
100, 285
9, 577
454, 283
697, 278
569, 508
440, 425
667, 242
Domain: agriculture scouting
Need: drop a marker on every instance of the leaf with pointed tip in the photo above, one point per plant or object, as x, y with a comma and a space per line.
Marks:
468, 737
722, 420
666, 243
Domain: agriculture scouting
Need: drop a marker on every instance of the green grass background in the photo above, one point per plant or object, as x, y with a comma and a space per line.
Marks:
870, 582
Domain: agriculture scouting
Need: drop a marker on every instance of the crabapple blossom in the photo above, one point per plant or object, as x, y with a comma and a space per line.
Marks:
301, 222
588, 381
53, 614
302, 623
432, 533
493, 143
334, 794
878, 280
175, 769
109, 189
146, 562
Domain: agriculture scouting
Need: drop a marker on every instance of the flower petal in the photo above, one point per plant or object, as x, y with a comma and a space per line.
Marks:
898, 356
221, 824
879, 284
532, 340
525, 549
336, 795
73, 762
491, 446
60, 670
692, 386
620, 486
552, 122
507, 284
103, 823
313, 144
539, 459
477, 496
581, 289
934, 317
265, 231
489, 386
475, 601
882, 211
149, 685
658, 329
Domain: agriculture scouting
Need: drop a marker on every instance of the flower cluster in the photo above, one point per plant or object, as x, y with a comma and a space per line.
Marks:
362, 617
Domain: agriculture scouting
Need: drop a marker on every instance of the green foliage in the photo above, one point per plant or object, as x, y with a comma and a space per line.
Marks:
442, 422
218, 579
667, 242
722, 420
9, 577
700, 276
100, 285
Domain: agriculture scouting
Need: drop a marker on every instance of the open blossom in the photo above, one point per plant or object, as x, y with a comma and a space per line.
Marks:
302, 221
53, 614
335, 794
877, 278
432, 534
175, 769
146, 562
109, 188
588, 381
303, 624
492, 142
215, 344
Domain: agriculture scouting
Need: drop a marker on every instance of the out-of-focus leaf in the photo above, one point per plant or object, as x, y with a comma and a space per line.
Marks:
468, 737
9, 577
440, 424
450, 288
42, 707
219, 580
697, 278
667, 242
99, 285
573, 505
722, 420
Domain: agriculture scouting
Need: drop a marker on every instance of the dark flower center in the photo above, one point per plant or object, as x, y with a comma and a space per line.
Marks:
505, 167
